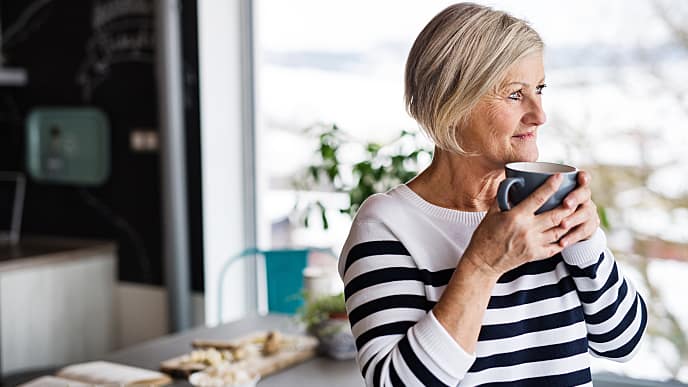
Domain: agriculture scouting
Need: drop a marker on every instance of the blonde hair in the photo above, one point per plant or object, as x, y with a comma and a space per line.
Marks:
462, 54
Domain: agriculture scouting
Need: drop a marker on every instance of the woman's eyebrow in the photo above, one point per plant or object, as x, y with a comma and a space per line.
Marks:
524, 84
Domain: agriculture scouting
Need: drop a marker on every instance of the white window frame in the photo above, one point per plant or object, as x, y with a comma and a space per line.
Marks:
226, 84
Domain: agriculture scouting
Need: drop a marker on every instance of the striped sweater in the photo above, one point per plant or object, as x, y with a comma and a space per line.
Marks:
542, 320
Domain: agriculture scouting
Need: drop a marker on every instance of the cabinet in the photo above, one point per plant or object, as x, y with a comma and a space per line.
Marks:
56, 302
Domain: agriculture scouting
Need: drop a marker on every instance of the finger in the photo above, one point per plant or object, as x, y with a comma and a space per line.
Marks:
584, 178
553, 250
553, 218
578, 233
553, 235
573, 236
587, 212
547, 251
575, 219
578, 196
541, 195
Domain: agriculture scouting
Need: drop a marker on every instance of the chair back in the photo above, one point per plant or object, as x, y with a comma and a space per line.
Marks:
283, 277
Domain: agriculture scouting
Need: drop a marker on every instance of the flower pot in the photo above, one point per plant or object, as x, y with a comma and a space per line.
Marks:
335, 337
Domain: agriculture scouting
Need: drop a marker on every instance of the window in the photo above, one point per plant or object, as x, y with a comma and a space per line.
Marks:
616, 105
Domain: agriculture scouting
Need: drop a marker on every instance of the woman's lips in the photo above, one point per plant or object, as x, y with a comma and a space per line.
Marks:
525, 136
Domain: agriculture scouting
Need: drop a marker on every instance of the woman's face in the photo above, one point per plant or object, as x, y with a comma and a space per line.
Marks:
503, 126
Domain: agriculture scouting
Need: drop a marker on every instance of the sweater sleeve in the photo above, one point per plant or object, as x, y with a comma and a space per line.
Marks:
615, 314
398, 339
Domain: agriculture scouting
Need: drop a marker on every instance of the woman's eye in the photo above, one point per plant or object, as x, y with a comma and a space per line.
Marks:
516, 95
538, 90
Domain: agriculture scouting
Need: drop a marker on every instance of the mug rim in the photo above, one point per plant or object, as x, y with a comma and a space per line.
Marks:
527, 166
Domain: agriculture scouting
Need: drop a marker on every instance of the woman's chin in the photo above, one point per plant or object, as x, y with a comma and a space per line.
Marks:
531, 153
525, 151
532, 158
524, 156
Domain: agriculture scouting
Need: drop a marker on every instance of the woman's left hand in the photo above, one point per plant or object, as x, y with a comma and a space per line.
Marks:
583, 223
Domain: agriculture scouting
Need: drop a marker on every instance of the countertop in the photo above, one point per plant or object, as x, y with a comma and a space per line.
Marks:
34, 251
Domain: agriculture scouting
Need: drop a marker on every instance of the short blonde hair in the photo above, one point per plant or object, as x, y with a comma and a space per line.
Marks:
462, 54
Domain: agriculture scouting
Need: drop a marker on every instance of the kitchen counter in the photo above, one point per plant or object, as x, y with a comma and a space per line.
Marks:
56, 302
37, 250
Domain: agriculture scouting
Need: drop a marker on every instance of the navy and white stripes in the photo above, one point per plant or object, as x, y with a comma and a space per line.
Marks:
541, 321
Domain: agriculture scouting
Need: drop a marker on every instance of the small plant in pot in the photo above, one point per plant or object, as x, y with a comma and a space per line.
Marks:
325, 318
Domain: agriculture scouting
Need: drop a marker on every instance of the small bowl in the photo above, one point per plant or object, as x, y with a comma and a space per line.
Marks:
204, 379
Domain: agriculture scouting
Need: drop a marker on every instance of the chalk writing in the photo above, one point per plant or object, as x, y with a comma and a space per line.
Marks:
122, 33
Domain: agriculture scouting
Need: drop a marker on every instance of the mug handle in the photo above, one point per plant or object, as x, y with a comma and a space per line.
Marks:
503, 191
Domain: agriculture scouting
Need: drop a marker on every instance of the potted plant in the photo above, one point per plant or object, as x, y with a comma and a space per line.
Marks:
359, 169
325, 318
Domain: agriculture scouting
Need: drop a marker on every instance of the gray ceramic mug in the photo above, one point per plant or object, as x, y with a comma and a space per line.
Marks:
525, 177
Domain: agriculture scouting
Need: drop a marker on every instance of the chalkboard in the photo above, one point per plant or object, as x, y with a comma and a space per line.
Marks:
101, 53
122, 32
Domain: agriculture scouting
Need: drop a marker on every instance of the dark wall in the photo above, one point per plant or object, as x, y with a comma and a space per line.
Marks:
101, 53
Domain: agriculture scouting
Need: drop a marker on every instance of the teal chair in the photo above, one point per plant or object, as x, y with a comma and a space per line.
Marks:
283, 276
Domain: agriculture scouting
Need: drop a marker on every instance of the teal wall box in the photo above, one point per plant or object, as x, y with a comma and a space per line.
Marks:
68, 146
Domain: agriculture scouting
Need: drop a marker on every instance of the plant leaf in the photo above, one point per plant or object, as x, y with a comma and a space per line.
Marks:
604, 220
323, 215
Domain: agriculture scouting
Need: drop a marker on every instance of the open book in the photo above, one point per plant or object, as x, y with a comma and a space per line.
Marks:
101, 373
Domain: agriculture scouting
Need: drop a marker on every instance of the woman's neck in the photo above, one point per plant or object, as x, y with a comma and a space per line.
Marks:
465, 183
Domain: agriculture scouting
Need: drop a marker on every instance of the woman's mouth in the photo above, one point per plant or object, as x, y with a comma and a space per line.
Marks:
525, 136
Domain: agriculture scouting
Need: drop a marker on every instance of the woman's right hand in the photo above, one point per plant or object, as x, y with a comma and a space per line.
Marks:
506, 240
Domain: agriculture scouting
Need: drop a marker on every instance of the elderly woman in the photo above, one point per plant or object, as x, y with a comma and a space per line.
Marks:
444, 289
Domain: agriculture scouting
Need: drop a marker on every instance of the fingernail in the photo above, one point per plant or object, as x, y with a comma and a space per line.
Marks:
564, 243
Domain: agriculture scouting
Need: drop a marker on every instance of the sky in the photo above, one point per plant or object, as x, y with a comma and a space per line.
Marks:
347, 25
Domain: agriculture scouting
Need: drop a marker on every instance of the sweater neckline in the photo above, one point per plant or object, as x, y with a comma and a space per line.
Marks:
455, 216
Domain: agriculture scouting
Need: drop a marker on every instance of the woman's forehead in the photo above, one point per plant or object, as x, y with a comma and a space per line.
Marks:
527, 72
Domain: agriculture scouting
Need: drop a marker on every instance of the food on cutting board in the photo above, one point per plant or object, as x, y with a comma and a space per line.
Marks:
259, 353
213, 357
273, 343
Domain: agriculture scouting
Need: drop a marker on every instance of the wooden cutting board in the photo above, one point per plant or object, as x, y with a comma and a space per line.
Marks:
296, 349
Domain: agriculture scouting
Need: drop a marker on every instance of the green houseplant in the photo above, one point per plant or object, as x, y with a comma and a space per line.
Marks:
360, 169
325, 318
318, 309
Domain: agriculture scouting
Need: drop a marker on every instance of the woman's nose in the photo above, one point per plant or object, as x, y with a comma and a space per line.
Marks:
535, 116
